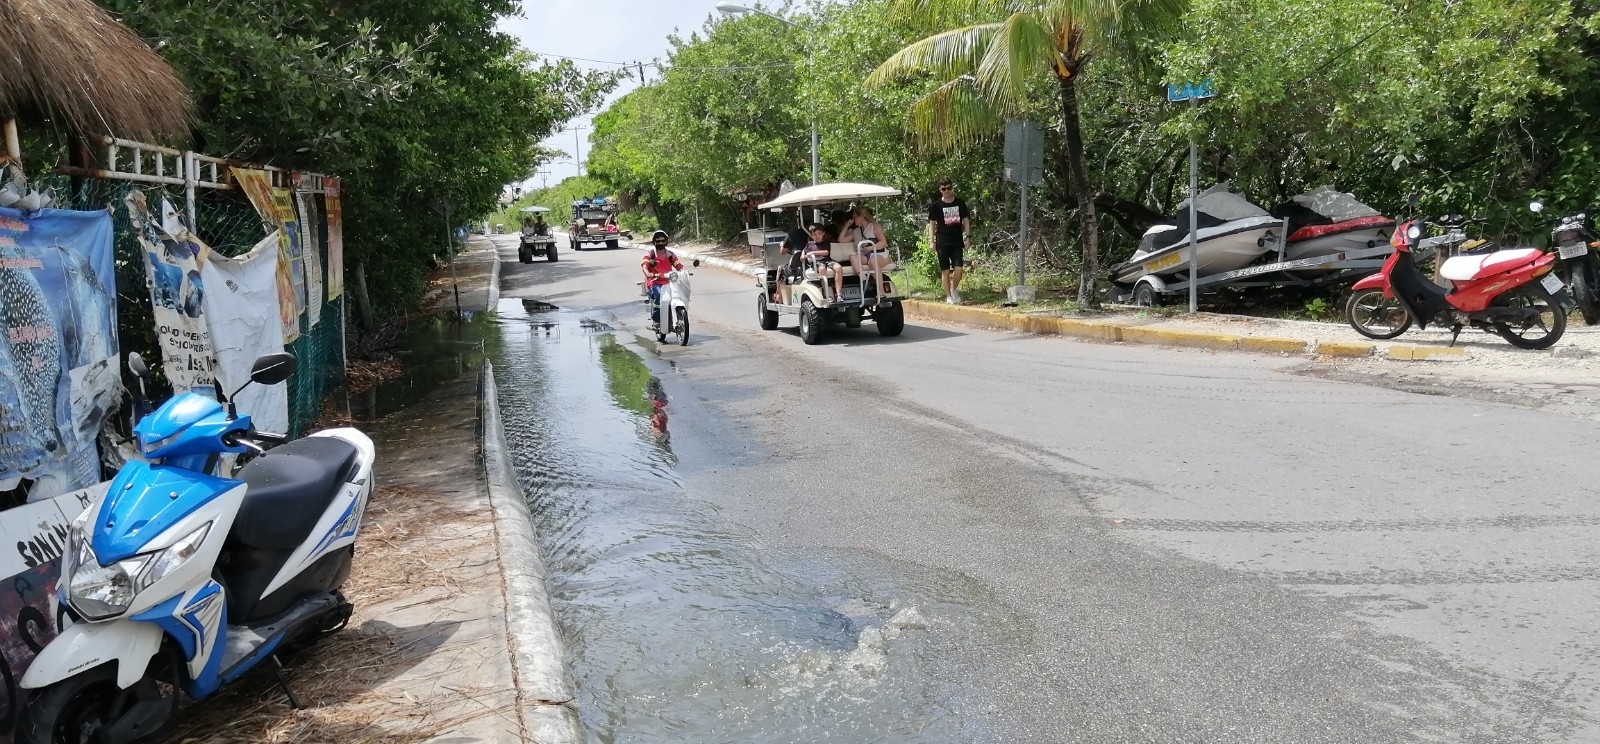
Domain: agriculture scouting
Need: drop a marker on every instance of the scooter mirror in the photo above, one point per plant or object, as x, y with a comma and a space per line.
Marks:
137, 366
1413, 200
271, 369
1536, 207
697, 262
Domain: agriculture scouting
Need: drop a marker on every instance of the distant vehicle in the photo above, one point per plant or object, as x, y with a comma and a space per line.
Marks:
536, 237
595, 221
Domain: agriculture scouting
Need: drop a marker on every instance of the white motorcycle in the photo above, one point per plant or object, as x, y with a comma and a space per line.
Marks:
674, 300
180, 579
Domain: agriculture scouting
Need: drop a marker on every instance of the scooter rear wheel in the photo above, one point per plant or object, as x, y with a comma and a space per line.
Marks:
1376, 316
1541, 331
1583, 293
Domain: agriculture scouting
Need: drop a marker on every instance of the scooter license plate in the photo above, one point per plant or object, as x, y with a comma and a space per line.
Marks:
1552, 283
1576, 250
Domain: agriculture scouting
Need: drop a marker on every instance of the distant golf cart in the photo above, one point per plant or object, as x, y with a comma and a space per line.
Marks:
809, 294
595, 221
536, 239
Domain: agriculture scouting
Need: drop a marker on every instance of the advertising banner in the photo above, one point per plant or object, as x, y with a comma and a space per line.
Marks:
306, 203
177, 294
32, 539
276, 207
334, 212
58, 347
291, 251
242, 312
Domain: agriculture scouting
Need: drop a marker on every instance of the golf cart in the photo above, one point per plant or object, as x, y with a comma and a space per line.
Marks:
595, 221
809, 295
536, 237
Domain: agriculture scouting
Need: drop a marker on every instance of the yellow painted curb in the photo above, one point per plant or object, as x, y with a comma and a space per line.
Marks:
1168, 337
1270, 344
1428, 353
1341, 349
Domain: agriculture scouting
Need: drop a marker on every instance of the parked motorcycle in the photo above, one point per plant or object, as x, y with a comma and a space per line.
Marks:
674, 300
181, 579
1509, 292
1580, 261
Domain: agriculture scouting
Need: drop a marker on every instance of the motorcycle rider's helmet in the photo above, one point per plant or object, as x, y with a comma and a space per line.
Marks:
659, 238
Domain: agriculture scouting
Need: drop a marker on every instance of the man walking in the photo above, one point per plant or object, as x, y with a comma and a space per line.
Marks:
949, 232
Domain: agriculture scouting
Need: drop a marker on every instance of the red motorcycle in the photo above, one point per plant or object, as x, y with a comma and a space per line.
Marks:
1508, 292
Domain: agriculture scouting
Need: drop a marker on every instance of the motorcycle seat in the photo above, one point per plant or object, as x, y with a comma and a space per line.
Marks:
289, 488
1467, 268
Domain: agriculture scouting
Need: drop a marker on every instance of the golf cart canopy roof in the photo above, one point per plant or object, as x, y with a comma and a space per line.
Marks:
539, 210
828, 193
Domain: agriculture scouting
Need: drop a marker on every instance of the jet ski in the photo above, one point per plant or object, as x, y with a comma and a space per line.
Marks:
1232, 234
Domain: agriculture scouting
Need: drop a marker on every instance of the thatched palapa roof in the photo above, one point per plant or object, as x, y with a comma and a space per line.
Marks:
70, 61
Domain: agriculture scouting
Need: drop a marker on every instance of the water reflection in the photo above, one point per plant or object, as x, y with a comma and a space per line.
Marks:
682, 628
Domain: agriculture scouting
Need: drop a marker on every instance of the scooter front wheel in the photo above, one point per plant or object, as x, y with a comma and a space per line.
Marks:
682, 324
90, 707
1376, 316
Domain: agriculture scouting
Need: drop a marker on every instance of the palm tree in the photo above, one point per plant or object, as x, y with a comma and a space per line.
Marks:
988, 67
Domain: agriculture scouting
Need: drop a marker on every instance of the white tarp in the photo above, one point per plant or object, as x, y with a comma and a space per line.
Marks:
1334, 204
242, 308
1220, 202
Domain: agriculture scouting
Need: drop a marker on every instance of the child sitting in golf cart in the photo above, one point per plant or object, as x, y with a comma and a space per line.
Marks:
808, 250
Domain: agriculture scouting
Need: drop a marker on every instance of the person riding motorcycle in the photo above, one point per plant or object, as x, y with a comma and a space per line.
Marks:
658, 262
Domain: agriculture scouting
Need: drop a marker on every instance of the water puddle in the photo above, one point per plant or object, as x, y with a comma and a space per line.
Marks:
683, 629
436, 350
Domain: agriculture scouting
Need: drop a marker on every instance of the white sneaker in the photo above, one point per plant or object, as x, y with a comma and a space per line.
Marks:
949, 299
955, 298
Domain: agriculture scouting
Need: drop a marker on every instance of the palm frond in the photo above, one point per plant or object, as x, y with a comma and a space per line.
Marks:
1022, 48
954, 114
946, 55
944, 13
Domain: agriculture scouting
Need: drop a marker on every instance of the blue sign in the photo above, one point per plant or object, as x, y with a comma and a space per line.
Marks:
1188, 91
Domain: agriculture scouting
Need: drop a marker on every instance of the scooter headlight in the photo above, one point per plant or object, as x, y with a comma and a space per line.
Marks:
1414, 231
101, 592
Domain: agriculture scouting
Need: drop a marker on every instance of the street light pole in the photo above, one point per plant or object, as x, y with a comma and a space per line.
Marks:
727, 8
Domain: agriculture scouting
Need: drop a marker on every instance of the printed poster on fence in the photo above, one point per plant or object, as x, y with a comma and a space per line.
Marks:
177, 294
257, 185
290, 247
32, 539
305, 202
242, 310
58, 347
333, 212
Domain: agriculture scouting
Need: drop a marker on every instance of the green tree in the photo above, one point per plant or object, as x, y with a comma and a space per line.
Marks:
989, 66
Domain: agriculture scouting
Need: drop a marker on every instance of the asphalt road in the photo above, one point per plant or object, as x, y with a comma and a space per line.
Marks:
1170, 545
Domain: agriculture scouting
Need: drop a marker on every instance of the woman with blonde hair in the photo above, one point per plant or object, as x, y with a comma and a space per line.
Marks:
864, 231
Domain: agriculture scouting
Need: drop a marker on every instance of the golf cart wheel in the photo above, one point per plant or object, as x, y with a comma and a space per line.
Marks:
811, 323
525, 254
550, 252
682, 325
1583, 293
1543, 329
1376, 316
768, 319
891, 320
612, 244
574, 245
1145, 295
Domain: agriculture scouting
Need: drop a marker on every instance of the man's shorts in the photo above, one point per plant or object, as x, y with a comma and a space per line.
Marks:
951, 258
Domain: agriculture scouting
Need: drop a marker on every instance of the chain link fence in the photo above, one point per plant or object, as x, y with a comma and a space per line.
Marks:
230, 225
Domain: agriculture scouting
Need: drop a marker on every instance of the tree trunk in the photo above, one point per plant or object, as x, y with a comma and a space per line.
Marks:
1079, 180
363, 301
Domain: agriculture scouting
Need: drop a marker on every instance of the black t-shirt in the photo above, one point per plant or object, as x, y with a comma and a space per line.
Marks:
947, 217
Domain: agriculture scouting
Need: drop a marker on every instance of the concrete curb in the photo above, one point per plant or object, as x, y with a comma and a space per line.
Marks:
715, 262
494, 277
546, 694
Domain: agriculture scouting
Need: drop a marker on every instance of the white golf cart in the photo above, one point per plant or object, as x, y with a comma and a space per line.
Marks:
809, 294
536, 240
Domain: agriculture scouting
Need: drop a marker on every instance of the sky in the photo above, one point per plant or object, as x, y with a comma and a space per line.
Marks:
613, 31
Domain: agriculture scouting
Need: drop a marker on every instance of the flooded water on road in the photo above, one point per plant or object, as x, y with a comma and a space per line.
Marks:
683, 628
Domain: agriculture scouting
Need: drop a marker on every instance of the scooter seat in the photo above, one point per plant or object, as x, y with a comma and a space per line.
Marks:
1467, 268
289, 489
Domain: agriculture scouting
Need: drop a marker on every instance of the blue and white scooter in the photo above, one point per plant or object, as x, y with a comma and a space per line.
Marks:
180, 579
